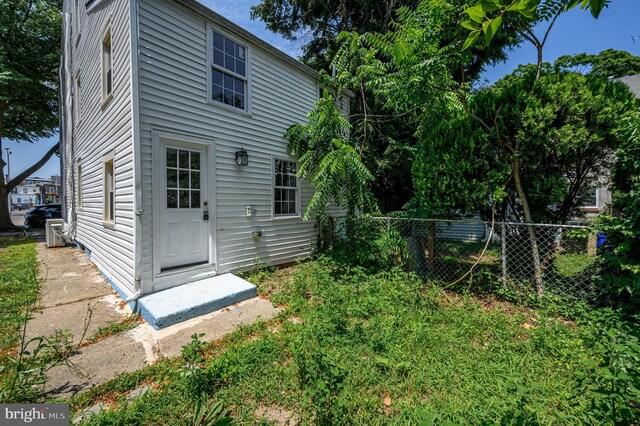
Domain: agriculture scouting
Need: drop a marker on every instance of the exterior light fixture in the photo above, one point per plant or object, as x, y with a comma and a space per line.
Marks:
242, 157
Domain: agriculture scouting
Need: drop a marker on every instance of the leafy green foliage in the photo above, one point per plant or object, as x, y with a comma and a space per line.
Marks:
621, 253
609, 63
318, 25
487, 16
614, 382
565, 126
29, 56
328, 158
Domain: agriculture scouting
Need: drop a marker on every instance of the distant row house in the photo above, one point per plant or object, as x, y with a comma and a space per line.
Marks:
36, 190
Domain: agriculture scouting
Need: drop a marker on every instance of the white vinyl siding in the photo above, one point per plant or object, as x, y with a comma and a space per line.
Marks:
174, 96
105, 127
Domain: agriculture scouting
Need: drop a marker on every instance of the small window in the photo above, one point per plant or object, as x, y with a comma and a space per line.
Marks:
78, 107
228, 72
109, 202
76, 19
285, 189
590, 198
107, 69
79, 186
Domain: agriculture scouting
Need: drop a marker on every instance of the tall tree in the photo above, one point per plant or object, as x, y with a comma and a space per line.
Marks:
609, 63
387, 140
30, 33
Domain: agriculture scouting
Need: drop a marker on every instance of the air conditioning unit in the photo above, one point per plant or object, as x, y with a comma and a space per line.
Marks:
54, 233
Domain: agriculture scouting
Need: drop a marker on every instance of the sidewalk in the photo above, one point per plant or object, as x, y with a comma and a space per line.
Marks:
76, 298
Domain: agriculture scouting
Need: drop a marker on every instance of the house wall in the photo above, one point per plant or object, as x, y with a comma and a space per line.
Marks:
102, 128
173, 97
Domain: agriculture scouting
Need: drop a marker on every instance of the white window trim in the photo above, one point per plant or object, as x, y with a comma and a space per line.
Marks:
78, 91
106, 97
79, 184
108, 157
210, 65
76, 20
275, 216
597, 205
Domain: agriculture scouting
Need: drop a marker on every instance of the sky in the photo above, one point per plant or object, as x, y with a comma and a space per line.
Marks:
574, 32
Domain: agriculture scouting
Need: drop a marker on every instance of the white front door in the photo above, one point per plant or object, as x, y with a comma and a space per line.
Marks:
183, 222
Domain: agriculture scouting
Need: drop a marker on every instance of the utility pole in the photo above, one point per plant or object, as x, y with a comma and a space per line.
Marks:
8, 163
8, 174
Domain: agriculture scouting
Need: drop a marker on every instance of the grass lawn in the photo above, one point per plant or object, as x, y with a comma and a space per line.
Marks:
358, 347
18, 284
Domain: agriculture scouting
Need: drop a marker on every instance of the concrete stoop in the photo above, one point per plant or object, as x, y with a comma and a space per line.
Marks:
187, 301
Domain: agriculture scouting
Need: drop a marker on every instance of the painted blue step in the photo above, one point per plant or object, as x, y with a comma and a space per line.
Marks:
190, 300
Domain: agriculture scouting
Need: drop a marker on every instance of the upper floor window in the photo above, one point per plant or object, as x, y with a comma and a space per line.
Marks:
228, 72
107, 66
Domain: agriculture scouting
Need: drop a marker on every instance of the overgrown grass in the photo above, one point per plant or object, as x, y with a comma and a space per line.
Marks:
18, 285
357, 347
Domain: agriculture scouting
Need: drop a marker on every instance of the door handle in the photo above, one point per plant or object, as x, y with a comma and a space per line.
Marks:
205, 212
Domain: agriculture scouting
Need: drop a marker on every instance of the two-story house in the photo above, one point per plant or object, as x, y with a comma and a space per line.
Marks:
175, 166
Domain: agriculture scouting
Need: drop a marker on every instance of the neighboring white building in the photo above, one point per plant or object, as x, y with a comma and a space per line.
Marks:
36, 190
25, 195
161, 98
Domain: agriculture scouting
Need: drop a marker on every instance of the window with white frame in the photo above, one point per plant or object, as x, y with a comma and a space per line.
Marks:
285, 189
79, 185
228, 72
76, 19
109, 199
107, 66
590, 198
78, 98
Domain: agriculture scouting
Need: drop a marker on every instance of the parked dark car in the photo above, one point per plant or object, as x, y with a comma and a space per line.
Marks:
37, 216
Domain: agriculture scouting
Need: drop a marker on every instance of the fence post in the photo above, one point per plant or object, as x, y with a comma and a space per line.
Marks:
431, 246
504, 254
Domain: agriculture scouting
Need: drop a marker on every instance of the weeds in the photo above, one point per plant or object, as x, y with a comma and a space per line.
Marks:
382, 348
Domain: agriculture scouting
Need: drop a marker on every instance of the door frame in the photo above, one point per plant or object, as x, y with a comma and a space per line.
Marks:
172, 278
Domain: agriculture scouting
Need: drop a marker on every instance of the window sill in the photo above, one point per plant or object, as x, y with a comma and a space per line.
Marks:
230, 108
284, 217
106, 100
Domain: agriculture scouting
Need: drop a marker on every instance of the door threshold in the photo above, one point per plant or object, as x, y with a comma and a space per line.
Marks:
183, 267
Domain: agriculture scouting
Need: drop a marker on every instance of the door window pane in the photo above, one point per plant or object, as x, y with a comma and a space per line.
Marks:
183, 178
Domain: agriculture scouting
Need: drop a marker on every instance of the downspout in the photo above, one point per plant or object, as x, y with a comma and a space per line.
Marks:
137, 167
66, 131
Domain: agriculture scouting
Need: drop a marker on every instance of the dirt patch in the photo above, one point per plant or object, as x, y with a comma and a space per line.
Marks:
277, 415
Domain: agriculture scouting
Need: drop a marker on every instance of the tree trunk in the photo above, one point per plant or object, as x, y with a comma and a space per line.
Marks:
5, 216
5, 189
535, 253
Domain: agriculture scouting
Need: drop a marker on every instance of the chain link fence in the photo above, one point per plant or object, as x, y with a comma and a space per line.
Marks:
515, 260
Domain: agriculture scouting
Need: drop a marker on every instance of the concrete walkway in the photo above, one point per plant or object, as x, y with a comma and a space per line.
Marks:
76, 299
